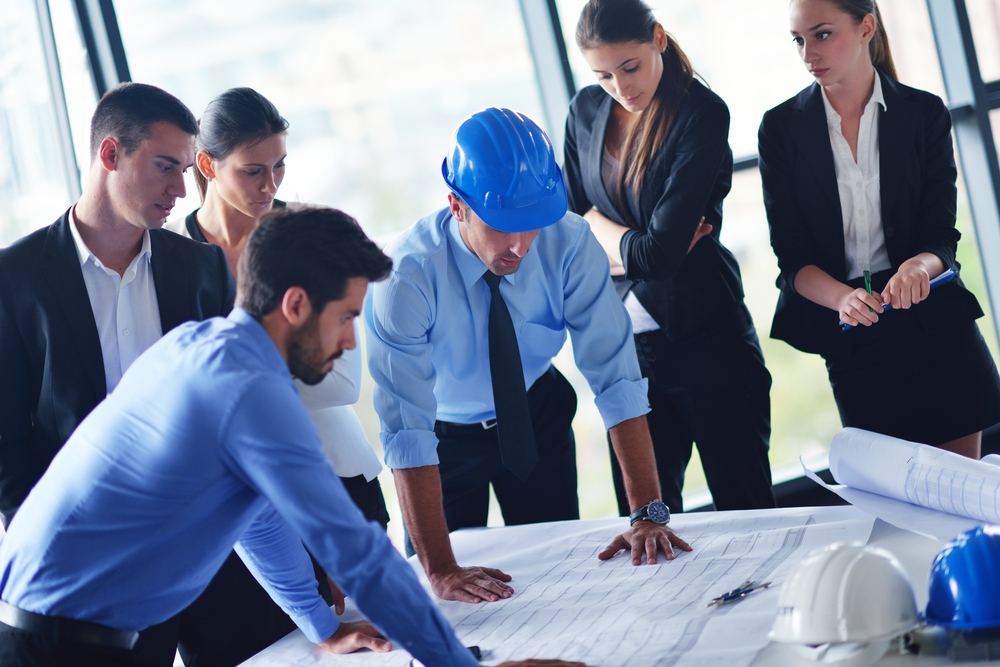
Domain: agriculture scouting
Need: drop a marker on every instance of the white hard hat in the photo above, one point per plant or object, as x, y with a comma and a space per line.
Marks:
845, 593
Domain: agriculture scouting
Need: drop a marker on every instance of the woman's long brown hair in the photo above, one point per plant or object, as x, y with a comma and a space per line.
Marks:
878, 48
605, 22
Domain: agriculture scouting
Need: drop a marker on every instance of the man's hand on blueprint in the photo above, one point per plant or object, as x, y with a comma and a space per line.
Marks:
646, 536
470, 584
351, 637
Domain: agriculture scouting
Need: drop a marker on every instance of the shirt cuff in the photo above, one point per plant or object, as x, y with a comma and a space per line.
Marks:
412, 448
318, 623
625, 399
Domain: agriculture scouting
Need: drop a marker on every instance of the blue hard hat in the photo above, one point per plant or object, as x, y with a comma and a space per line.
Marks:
965, 582
502, 165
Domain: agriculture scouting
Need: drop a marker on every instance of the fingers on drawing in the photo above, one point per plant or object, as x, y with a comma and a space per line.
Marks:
677, 541
486, 585
363, 635
617, 545
498, 574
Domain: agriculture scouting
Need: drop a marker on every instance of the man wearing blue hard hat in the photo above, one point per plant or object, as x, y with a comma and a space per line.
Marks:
461, 341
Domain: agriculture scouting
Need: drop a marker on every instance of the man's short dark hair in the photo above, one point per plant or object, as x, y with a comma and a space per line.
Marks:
127, 111
317, 249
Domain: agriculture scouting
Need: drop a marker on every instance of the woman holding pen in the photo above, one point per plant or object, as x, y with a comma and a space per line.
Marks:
648, 164
859, 184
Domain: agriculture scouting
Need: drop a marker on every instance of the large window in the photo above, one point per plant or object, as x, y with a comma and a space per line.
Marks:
372, 90
744, 51
984, 16
34, 185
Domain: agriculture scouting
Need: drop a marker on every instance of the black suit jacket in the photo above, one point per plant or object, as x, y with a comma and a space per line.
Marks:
917, 184
51, 364
688, 179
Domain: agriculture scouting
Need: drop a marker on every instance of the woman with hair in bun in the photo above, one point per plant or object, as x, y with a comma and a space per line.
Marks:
859, 181
648, 164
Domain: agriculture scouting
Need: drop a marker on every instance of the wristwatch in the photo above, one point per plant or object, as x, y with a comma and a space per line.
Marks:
655, 511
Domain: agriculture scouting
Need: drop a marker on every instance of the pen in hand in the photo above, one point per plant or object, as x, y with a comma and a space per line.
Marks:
945, 277
868, 287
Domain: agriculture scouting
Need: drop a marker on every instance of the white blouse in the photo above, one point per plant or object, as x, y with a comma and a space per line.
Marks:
329, 403
860, 189
642, 321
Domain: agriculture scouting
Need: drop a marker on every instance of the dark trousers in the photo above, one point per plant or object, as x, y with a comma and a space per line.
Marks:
233, 619
470, 462
368, 497
712, 390
24, 649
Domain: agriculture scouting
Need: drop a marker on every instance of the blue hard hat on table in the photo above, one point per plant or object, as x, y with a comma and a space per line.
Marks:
965, 582
502, 165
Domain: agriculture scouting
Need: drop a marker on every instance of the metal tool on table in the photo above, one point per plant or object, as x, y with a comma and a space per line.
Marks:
744, 590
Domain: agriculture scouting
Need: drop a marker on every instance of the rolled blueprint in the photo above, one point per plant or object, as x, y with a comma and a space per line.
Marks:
917, 474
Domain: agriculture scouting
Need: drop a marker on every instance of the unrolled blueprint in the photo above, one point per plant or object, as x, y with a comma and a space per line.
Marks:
570, 605
917, 474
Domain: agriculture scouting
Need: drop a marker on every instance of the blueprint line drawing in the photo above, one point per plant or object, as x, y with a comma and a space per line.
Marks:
917, 474
569, 605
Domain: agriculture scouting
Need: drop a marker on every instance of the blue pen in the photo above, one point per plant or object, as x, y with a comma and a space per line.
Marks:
945, 277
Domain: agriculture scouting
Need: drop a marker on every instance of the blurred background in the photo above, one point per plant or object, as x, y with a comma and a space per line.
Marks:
372, 92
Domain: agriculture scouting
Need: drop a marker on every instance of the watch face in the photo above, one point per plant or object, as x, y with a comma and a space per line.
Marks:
658, 512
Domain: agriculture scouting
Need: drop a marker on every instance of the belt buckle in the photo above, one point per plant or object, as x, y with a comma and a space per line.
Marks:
488, 424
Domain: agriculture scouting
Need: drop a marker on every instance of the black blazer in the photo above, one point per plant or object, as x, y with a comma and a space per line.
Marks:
51, 364
917, 172
688, 179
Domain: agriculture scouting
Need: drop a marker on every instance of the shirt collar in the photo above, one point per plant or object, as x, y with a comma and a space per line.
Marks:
832, 117
469, 264
260, 340
84, 253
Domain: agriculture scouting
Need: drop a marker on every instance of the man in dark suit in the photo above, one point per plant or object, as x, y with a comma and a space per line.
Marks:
54, 366
82, 298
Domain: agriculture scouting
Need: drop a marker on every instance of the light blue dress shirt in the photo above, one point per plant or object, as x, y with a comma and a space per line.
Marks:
428, 343
206, 443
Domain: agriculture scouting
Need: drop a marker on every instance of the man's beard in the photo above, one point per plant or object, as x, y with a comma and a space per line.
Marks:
305, 354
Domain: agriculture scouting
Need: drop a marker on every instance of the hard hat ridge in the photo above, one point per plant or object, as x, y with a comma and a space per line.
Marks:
965, 582
503, 166
849, 600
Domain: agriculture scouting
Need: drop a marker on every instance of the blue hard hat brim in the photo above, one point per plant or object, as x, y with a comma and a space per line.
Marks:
547, 212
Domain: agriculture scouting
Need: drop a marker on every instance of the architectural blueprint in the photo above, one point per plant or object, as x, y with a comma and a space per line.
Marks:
917, 474
570, 605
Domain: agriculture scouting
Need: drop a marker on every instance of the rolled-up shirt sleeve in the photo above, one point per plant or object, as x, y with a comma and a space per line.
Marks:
601, 331
399, 316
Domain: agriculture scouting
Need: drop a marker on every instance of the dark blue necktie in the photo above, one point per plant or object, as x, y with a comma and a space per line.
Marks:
514, 430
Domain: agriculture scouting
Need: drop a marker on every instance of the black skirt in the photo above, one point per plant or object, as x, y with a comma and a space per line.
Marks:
902, 381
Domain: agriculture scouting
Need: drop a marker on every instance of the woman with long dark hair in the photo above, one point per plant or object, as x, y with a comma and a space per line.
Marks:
859, 184
648, 164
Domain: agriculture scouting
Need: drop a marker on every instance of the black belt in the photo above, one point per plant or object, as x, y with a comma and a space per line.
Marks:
66, 629
451, 428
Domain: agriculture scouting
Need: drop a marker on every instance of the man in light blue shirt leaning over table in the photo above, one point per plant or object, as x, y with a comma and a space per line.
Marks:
206, 443
461, 340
